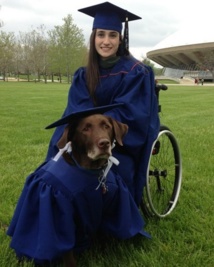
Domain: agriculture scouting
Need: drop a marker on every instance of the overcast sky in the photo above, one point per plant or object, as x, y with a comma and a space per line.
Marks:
160, 18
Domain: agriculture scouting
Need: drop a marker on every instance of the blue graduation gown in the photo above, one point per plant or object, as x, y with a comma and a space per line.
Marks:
132, 83
60, 208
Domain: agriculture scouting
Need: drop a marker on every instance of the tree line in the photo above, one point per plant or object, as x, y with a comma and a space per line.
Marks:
43, 54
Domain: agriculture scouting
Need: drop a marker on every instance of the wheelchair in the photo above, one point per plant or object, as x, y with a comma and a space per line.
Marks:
164, 172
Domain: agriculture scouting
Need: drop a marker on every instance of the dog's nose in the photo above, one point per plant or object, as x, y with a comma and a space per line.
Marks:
103, 143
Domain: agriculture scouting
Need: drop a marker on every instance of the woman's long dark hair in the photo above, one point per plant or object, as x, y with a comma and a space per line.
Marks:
92, 68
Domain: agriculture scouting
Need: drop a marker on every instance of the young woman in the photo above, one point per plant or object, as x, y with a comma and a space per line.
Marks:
111, 76
57, 213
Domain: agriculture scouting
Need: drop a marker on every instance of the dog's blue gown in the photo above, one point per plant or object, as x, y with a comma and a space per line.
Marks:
60, 209
132, 83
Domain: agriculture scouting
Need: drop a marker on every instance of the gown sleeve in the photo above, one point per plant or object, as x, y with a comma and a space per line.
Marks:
41, 228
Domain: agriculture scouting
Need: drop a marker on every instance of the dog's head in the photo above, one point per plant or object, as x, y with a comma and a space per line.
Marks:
92, 138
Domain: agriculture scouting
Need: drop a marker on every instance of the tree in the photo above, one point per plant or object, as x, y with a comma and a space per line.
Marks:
39, 52
24, 52
157, 71
66, 47
7, 44
147, 62
32, 53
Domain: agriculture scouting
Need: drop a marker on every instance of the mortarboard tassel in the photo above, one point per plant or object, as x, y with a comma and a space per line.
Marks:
126, 34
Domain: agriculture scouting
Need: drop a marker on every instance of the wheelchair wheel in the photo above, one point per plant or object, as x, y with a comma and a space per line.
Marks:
164, 176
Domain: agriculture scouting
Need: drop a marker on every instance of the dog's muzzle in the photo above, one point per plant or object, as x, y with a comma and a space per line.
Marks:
101, 150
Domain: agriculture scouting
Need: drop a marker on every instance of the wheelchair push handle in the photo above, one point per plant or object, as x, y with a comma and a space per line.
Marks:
161, 87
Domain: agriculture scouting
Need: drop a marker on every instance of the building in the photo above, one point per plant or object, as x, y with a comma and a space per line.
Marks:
187, 52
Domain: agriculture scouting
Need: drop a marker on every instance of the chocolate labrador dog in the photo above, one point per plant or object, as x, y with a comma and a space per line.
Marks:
72, 196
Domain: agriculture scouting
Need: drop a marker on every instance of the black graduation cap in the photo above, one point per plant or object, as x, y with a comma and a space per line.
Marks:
82, 114
110, 17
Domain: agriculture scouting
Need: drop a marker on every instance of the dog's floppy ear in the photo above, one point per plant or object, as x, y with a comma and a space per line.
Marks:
64, 138
120, 130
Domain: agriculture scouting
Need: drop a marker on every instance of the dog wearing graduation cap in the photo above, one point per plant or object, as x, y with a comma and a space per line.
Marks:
64, 204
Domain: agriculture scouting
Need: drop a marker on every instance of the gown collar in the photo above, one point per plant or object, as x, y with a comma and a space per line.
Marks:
109, 63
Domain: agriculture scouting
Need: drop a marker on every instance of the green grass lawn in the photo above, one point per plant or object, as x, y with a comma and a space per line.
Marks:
184, 238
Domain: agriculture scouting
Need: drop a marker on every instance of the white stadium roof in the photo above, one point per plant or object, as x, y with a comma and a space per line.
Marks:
184, 48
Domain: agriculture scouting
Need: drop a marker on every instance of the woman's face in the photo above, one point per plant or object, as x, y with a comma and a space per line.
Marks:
107, 43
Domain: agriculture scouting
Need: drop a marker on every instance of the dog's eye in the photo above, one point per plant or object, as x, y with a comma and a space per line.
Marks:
106, 126
85, 129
